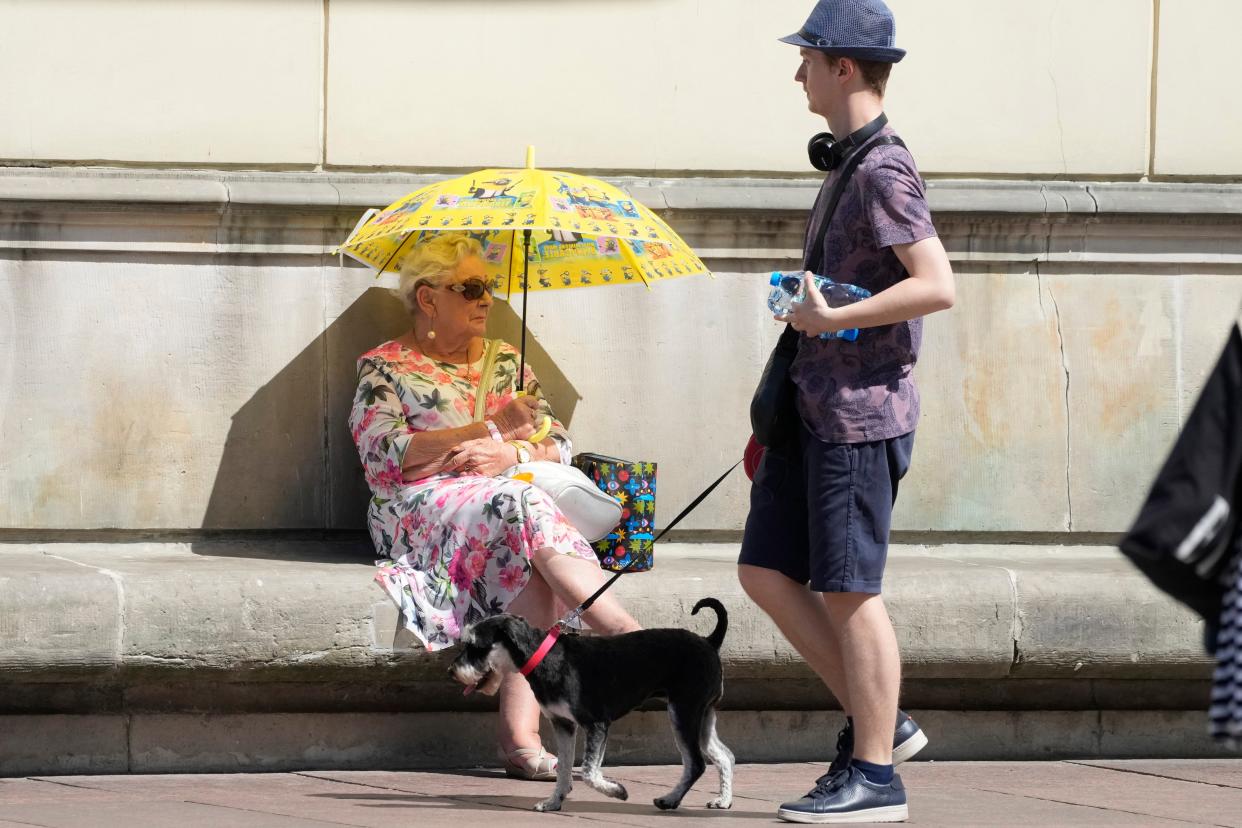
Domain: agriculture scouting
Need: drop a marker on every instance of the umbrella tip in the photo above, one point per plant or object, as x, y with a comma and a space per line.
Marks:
530, 156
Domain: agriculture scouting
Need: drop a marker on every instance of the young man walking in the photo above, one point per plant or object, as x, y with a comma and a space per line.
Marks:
816, 537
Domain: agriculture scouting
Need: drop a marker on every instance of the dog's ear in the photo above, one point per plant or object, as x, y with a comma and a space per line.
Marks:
481, 634
506, 626
521, 638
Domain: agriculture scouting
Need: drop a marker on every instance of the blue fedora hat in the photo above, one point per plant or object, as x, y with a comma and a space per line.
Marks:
862, 29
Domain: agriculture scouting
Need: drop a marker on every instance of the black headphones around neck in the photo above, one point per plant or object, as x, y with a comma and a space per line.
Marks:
827, 153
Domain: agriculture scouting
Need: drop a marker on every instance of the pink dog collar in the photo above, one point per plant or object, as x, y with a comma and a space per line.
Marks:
545, 647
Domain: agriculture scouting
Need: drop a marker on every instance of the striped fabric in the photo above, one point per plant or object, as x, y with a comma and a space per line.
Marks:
1225, 713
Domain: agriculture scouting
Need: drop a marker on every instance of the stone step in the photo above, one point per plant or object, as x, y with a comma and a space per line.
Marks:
279, 652
231, 743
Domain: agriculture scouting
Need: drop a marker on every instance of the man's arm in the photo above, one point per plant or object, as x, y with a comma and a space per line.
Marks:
929, 288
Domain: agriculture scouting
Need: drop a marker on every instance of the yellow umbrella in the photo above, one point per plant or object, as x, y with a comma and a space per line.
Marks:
575, 231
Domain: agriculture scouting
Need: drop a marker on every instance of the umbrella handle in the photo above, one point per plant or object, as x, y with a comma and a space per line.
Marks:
544, 430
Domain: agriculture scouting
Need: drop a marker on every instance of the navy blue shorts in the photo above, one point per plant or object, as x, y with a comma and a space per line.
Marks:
821, 516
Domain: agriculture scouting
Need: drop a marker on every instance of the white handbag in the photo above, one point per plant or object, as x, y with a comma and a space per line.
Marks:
591, 511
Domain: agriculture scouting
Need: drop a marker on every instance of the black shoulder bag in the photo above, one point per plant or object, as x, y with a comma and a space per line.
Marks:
773, 412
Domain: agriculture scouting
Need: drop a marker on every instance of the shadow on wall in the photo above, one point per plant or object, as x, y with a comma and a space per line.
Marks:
505, 322
289, 462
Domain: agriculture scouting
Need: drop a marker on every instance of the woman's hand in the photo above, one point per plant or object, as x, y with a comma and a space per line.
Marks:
519, 419
483, 457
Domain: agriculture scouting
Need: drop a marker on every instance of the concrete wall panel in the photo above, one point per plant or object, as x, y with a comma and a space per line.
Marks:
1121, 359
1209, 307
990, 449
161, 394
1197, 128
639, 94
1052, 88
681, 85
191, 82
640, 85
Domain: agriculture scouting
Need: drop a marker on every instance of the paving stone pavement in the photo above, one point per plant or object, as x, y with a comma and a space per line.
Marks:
1130, 793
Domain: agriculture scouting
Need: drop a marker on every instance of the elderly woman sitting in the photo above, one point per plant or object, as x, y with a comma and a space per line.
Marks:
465, 543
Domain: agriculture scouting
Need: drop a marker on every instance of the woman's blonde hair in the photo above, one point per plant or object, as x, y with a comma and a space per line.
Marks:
431, 263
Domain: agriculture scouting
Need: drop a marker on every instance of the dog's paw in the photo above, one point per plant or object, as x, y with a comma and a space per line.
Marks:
549, 804
665, 803
721, 803
619, 792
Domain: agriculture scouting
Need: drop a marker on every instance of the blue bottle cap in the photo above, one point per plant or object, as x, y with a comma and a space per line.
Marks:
776, 278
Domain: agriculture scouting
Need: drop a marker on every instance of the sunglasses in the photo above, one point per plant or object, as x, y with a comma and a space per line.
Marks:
472, 290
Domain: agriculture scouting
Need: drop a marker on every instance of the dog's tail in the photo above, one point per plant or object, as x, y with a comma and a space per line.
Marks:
716, 638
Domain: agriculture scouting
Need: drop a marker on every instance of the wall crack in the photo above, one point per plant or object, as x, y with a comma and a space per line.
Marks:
119, 583
1069, 458
1056, 312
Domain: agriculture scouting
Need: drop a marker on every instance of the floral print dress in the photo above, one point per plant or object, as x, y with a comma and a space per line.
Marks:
459, 544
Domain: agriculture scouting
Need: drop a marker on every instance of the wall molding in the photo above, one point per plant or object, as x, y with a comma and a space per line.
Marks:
990, 224
333, 190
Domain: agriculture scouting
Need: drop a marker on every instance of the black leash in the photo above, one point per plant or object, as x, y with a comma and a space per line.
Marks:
586, 605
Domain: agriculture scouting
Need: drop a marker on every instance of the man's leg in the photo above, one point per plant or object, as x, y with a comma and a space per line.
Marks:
851, 489
861, 787
872, 669
774, 564
805, 622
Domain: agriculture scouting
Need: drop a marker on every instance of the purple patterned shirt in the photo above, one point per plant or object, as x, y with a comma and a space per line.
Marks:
855, 392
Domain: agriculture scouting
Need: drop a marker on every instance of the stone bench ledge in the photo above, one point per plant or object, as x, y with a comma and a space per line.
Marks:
308, 611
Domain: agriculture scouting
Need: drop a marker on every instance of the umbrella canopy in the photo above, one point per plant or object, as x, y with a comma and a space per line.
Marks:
583, 231
555, 260
540, 230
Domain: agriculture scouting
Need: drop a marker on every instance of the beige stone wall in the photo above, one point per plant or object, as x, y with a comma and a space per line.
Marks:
1196, 90
176, 345
177, 351
206, 82
1048, 88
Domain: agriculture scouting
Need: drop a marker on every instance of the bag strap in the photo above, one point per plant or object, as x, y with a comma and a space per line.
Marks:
485, 378
838, 187
789, 337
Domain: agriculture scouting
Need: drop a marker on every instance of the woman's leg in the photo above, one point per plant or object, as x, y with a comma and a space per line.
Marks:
518, 726
573, 580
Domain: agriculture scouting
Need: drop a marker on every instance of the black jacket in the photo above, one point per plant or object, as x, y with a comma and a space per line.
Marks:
1187, 532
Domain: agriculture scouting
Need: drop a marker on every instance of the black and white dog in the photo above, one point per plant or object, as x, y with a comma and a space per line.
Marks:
591, 681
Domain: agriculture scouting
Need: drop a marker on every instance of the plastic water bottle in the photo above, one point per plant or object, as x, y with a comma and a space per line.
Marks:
787, 289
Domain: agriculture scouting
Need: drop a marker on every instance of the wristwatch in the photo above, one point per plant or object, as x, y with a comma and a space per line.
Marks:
523, 453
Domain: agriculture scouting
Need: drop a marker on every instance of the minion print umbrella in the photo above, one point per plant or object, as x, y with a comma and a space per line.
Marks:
539, 229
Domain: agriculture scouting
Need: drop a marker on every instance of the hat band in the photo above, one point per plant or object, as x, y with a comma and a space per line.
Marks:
811, 37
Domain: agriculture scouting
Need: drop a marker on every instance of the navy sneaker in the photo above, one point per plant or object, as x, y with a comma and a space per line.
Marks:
908, 739
847, 797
